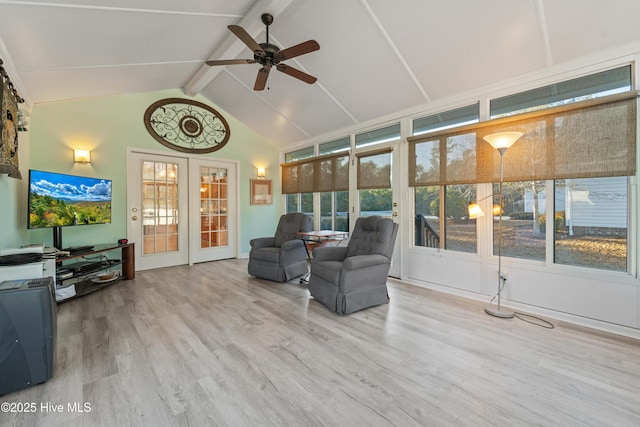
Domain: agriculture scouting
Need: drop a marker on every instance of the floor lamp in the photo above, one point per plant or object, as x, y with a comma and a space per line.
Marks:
501, 141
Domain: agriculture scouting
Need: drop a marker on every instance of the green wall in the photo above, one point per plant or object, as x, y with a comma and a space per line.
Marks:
108, 126
13, 198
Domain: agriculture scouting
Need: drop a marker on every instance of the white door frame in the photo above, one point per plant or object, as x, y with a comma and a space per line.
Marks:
354, 198
188, 156
197, 254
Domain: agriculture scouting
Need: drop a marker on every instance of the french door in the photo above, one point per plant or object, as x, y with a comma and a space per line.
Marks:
181, 210
157, 203
212, 216
377, 193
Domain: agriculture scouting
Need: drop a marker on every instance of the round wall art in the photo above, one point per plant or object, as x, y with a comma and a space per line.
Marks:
186, 125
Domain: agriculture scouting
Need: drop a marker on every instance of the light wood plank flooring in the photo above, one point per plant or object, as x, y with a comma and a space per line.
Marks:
210, 346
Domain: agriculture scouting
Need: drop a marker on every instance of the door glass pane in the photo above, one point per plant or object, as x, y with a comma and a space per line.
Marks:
159, 207
376, 202
213, 207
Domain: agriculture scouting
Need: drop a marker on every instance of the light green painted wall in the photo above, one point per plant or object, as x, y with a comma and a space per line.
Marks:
108, 126
13, 200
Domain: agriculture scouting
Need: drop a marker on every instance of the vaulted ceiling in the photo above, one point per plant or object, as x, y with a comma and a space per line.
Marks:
376, 57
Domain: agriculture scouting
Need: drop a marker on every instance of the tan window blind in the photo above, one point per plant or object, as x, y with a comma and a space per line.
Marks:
374, 169
318, 174
595, 138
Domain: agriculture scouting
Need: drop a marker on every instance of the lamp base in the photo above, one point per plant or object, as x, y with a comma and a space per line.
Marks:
505, 314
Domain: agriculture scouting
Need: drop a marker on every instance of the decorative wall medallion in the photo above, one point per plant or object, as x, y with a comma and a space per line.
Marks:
186, 125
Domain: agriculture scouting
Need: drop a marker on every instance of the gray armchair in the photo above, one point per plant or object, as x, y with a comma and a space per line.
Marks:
284, 256
348, 279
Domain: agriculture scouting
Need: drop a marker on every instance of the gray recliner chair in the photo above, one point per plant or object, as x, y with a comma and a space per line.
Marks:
348, 279
282, 257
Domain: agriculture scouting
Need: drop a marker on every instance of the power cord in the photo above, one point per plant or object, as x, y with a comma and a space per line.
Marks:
538, 321
544, 323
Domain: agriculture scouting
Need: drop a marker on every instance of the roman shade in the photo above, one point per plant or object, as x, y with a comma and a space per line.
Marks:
317, 174
594, 138
374, 169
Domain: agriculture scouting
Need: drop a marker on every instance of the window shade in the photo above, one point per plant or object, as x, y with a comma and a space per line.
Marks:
374, 169
595, 138
325, 173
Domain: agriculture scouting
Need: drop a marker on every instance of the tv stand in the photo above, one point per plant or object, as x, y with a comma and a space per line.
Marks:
79, 273
78, 249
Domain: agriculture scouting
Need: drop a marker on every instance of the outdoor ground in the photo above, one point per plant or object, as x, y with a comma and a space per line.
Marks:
519, 241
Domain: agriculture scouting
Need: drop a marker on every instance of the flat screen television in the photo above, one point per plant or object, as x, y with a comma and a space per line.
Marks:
59, 200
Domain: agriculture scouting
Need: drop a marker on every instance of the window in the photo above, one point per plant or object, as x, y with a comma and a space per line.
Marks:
523, 219
378, 136
304, 174
578, 135
334, 205
302, 154
301, 177
599, 242
592, 86
333, 147
459, 231
334, 210
590, 222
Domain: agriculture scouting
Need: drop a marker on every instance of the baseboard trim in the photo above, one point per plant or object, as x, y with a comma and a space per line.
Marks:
598, 325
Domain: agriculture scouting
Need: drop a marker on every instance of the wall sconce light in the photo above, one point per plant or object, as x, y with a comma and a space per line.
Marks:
82, 156
262, 173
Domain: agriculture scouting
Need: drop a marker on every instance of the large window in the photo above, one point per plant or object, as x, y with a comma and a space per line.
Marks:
525, 213
579, 137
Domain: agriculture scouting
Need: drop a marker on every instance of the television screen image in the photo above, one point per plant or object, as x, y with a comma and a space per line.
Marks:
60, 200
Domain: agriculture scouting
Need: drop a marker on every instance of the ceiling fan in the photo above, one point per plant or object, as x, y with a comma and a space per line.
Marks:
269, 55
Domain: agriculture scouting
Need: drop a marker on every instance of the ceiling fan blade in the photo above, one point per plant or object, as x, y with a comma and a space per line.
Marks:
297, 50
294, 72
230, 62
261, 80
246, 38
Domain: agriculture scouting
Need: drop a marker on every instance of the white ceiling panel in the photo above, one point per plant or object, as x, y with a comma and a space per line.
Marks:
97, 38
307, 106
580, 27
56, 85
355, 62
247, 106
451, 50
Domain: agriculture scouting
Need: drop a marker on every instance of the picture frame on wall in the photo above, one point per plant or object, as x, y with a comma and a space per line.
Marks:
261, 192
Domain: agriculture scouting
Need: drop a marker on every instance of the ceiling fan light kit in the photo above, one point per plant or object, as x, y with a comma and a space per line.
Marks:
269, 55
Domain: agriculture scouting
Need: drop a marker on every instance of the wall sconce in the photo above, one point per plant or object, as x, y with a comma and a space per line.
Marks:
262, 173
82, 156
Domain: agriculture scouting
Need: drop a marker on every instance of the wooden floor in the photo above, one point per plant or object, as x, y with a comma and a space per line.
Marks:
210, 346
